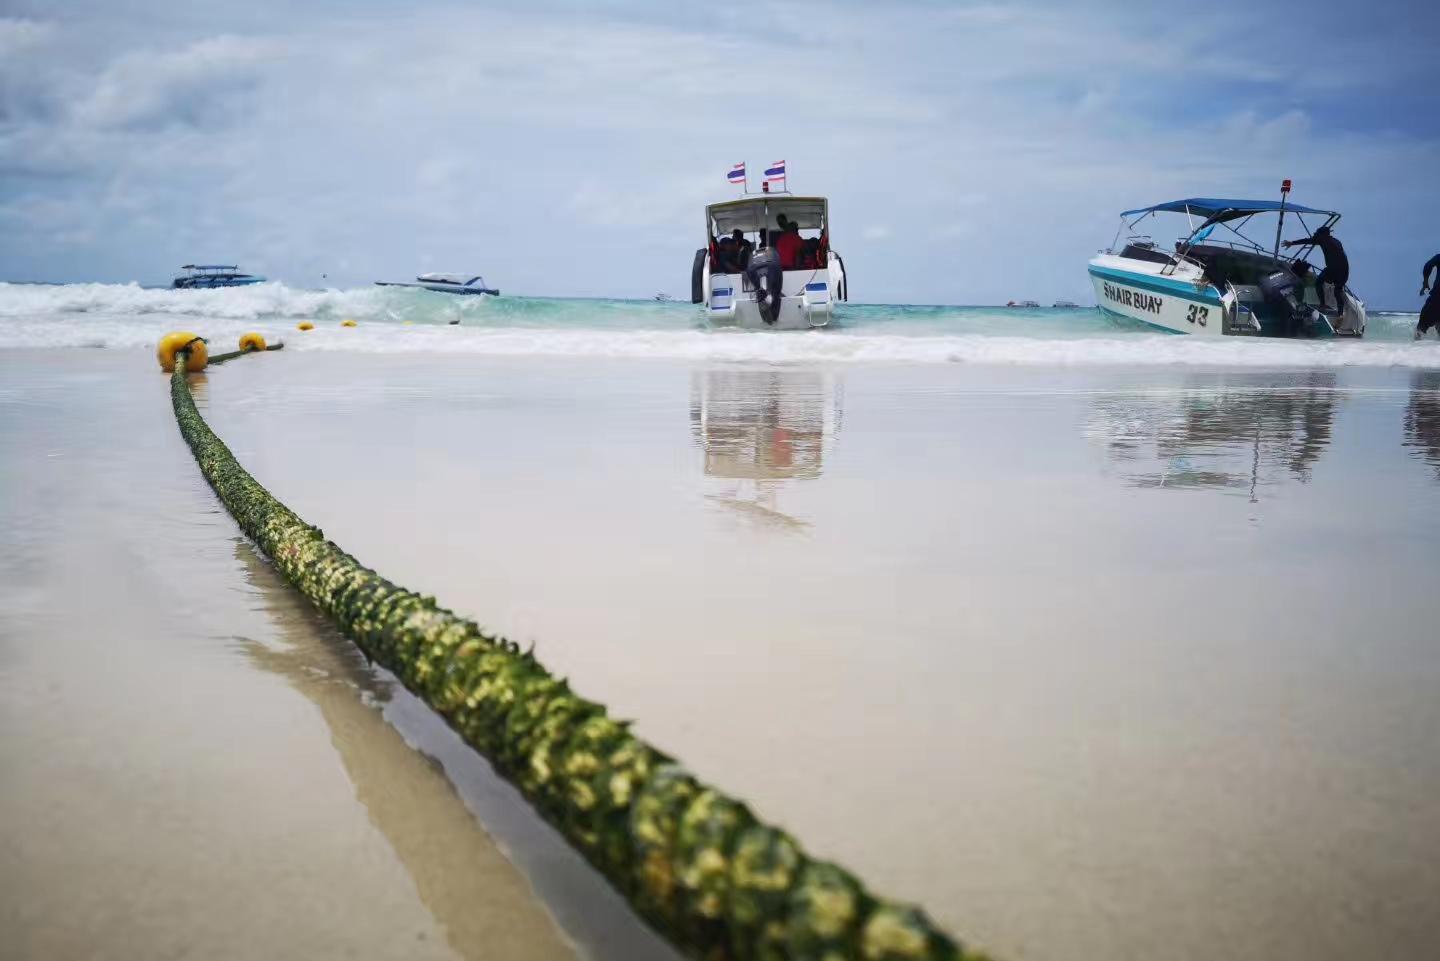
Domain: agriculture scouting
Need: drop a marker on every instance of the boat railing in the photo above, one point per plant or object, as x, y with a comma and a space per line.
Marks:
1181, 257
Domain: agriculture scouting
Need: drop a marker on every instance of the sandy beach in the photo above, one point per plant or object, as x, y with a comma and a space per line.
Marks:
196, 765
1092, 662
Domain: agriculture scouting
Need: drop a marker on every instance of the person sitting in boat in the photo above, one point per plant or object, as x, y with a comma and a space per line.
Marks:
1430, 313
743, 248
727, 256
789, 244
1337, 265
810, 253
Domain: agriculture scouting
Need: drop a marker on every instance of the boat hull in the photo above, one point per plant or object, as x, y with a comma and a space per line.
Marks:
442, 288
1179, 306
807, 299
201, 283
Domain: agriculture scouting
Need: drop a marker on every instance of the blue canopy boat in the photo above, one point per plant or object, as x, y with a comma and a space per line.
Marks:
1217, 281
213, 275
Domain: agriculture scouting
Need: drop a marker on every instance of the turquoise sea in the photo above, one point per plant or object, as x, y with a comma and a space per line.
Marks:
109, 315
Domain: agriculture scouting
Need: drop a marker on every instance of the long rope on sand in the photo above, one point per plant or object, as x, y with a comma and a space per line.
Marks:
693, 862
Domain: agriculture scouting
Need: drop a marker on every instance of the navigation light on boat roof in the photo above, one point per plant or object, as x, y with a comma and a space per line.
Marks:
1285, 186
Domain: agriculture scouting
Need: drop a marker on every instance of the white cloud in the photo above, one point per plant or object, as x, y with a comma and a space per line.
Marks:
301, 143
202, 83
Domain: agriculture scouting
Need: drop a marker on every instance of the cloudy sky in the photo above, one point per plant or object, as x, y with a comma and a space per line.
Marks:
972, 152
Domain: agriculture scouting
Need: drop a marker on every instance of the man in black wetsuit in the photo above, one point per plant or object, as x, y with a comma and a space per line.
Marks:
1337, 266
1430, 313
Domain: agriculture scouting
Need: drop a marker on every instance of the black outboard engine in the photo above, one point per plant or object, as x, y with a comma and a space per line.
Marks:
766, 264
1281, 290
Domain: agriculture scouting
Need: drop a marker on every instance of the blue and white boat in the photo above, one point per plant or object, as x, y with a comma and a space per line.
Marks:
204, 276
1217, 281
446, 284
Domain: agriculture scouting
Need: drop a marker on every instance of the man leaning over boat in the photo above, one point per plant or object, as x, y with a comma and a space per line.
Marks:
1430, 313
1337, 265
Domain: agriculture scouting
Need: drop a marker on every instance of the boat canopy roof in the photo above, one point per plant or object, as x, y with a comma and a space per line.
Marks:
1219, 210
210, 267
757, 213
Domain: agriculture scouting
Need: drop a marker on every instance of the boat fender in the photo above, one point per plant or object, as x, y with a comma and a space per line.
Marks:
252, 341
304, 325
347, 323
176, 341
697, 276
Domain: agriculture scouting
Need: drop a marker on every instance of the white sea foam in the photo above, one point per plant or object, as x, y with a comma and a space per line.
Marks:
252, 302
131, 317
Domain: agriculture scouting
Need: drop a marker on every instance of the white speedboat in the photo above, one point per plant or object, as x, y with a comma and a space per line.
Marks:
766, 281
1217, 281
446, 284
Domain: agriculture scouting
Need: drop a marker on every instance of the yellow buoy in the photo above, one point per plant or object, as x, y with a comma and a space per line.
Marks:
176, 341
304, 325
347, 323
252, 341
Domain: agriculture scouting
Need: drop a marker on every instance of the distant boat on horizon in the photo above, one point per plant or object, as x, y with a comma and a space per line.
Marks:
1065, 303
205, 276
446, 284
1022, 303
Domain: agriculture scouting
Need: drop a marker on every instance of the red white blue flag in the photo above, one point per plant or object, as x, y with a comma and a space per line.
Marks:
774, 172
736, 174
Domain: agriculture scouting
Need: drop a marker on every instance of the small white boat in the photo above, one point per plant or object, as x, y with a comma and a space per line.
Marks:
766, 282
1215, 286
446, 284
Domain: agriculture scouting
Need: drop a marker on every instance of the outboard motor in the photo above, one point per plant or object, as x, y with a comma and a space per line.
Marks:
1281, 290
765, 264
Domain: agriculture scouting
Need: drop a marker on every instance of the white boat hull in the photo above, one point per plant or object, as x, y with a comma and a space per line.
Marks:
1180, 304
442, 288
807, 301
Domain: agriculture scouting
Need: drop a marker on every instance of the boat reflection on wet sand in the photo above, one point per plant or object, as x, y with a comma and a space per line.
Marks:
1237, 431
761, 429
1422, 417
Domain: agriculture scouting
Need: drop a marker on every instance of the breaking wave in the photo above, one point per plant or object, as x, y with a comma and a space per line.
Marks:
391, 320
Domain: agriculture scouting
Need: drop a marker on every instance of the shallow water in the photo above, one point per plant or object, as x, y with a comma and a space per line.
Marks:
1094, 662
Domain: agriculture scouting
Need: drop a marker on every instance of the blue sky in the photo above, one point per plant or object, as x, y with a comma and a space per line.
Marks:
972, 153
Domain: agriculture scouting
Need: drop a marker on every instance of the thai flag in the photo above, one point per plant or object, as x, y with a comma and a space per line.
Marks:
775, 171
736, 174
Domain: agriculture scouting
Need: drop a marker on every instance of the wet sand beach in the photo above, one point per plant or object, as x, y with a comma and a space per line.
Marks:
193, 764
1096, 662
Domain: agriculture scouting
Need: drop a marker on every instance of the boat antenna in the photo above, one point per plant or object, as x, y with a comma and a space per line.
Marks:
1284, 193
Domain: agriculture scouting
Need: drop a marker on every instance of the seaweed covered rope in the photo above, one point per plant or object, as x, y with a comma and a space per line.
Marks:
695, 863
